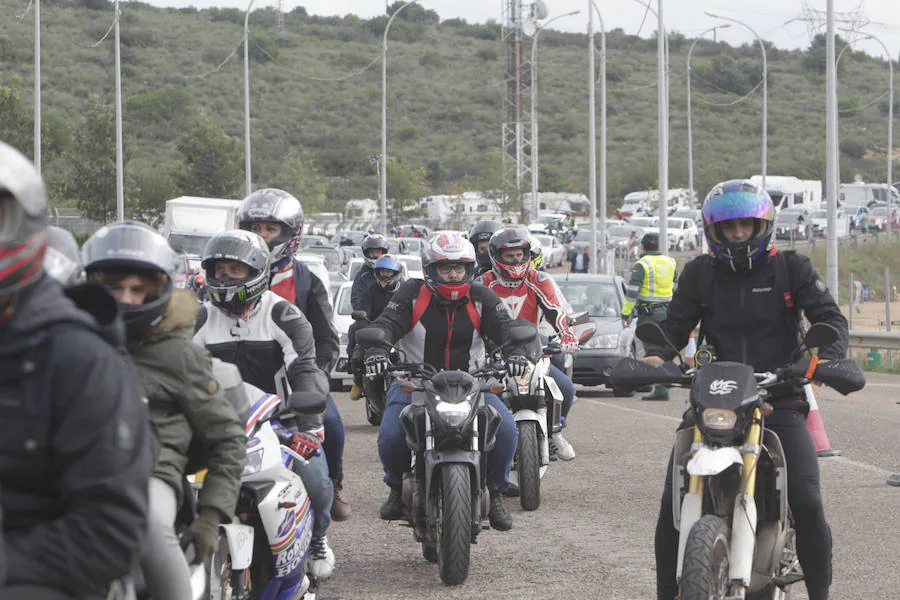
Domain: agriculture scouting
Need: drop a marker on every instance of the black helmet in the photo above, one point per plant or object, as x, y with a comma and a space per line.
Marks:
129, 248
235, 297
371, 243
63, 258
506, 239
274, 206
650, 242
480, 232
23, 228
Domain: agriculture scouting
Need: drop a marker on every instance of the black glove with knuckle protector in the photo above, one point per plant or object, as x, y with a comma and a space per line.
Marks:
376, 363
517, 365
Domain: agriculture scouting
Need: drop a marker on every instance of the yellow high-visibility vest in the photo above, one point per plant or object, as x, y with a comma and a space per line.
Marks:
659, 278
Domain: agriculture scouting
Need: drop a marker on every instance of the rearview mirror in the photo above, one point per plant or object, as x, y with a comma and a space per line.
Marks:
579, 318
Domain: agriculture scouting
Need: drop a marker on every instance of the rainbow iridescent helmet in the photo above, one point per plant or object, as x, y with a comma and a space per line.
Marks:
388, 262
447, 248
512, 238
739, 199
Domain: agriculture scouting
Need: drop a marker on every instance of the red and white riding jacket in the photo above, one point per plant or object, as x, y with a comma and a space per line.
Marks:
533, 295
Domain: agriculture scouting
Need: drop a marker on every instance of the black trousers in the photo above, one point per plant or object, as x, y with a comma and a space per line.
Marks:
804, 497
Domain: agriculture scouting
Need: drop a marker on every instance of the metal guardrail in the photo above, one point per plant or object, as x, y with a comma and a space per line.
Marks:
874, 339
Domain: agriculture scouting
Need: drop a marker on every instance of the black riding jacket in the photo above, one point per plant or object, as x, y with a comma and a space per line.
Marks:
746, 317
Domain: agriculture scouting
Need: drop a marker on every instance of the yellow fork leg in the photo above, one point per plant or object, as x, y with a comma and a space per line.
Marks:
754, 439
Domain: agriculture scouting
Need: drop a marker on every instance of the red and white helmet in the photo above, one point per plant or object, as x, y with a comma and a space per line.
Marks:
511, 272
443, 248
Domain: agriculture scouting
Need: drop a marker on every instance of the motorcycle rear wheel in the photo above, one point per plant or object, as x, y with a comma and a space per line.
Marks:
454, 523
528, 466
704, 574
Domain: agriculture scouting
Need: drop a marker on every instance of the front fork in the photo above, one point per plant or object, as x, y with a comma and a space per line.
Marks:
743, 527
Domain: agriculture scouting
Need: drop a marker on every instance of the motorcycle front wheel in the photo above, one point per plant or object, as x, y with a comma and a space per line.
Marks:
704, 574
223, 582
375, 400
528, 466
454, 523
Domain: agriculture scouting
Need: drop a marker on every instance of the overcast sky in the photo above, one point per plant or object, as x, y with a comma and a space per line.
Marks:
768, 17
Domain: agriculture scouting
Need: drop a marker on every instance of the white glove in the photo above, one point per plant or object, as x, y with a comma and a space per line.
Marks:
568, 345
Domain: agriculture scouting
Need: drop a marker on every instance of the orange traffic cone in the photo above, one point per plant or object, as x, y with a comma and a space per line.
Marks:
817, 427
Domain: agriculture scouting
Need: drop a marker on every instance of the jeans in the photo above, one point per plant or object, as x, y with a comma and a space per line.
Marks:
396, 456
33, 592
804, 497
565, 386
318, 486
164, 566
333, 445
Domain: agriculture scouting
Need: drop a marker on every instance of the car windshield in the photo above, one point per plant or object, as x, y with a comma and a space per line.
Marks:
786, 218
331, 255
411, 245
619, 232
343, 304
547, 219
188, 244
599, 298
880, 211
644, 222
412, 264
312, 240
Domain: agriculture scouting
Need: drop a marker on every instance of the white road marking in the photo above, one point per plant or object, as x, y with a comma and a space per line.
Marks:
855, 463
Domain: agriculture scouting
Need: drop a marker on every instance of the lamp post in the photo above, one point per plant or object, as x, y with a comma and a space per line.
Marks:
689, 130
247, 171
765, 108
592, 136
120, 176
383, 182
534, 119
37, 85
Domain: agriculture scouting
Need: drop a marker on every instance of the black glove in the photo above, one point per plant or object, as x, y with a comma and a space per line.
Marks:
377, 364
517, 365
203, 533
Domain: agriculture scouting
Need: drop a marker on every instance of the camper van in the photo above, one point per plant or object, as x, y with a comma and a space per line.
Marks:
791, 192
867, 194
646, 202
191, 221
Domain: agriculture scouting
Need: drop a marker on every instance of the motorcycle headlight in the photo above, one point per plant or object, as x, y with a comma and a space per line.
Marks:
253, 462
719, 419
605, 341
454, 414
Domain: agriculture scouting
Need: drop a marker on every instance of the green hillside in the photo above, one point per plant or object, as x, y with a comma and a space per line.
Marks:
316, 105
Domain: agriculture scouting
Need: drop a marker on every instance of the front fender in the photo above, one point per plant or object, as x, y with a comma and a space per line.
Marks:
708, 462
240, 544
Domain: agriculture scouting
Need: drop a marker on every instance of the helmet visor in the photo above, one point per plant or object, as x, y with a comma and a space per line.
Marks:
737, 205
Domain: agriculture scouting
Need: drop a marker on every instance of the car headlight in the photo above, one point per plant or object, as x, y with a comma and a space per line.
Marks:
454, 414
604, 341
253, 462
719, 418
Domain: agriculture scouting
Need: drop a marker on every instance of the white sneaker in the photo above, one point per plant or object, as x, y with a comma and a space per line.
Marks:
321, 558
561, 447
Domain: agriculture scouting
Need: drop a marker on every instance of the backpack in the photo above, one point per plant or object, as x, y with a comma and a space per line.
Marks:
783, 284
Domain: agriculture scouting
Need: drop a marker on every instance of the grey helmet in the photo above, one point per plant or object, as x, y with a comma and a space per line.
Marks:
236, 297
274, 206
23, 226
63, 258
135, 248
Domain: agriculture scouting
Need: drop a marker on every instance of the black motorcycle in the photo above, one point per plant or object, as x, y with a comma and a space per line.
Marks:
450, 430
730, 501
374, 388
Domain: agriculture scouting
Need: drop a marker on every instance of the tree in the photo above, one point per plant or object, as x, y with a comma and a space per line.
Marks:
212, 165
148, 191
816, 60
404, 186
300, 178
92, 162
16, 123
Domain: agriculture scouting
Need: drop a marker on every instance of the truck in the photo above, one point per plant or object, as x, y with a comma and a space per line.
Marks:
191, 221
792, 192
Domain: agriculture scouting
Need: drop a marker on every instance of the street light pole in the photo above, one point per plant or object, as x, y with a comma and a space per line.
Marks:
765, 107
120, 176
534, 119
832, 175
689, 128
37, 85
383, 182
592, 136
247, 171
662, 101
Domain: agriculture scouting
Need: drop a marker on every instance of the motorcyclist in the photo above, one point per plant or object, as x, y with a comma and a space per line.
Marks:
62, 261
272, 343
389, 274
747, 297
537, 254
529, 294
76, 450
136, 264
277, 217
365, 286
440, 321
479, 236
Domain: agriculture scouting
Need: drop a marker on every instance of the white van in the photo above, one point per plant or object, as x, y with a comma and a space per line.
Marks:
867, 194
191, 221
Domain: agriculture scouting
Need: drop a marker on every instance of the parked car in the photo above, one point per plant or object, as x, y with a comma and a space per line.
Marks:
313, 240
317, 266
332, 255
411, 246
350, 238
790, 225
819, 221
554, 251
694, 214
544, 221
602, 296
683, 234
858, 215
342, 320
878, 218
625, 239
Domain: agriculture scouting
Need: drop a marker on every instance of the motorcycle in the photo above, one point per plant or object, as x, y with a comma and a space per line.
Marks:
449, 430
374, 388
730, 502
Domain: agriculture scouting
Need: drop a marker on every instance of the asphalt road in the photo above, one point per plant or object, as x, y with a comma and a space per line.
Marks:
593, 535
